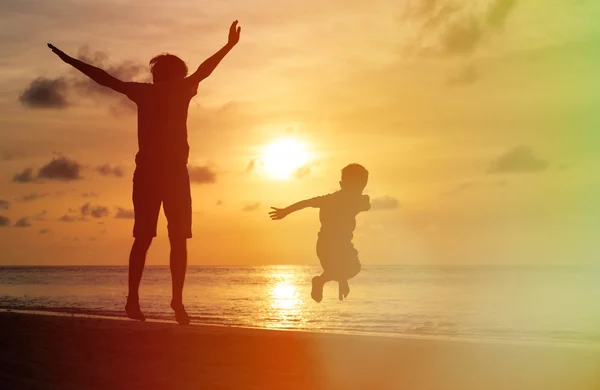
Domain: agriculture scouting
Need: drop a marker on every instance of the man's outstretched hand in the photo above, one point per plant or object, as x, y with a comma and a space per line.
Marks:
278, 213
59, 52
234, 34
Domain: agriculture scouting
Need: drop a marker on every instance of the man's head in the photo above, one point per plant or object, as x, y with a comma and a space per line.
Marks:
167, 67
354, 178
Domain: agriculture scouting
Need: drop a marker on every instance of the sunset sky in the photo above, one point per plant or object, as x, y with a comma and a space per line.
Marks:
477, 120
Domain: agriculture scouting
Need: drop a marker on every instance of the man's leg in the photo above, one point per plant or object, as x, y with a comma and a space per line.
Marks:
146, 206
178, 263
137, 260
178, 210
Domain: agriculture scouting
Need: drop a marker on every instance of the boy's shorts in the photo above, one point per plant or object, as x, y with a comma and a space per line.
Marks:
171, 188
339, 260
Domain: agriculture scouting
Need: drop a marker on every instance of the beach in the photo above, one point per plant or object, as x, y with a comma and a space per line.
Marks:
41, 351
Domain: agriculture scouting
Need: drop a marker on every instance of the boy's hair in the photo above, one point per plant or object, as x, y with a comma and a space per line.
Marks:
167, 67
356, 175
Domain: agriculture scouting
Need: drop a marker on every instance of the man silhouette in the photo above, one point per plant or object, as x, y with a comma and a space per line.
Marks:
161, 174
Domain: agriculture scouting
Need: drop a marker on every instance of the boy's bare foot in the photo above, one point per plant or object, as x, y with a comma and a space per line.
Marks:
181, 316
134, 312
317, 289
344, 289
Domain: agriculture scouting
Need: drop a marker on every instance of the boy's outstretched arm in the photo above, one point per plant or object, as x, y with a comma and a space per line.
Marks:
282, 213
207, 67
96, 74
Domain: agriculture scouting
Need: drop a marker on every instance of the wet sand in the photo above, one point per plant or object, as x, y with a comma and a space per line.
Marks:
75, 352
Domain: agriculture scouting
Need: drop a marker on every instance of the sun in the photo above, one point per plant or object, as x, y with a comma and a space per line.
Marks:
284, 157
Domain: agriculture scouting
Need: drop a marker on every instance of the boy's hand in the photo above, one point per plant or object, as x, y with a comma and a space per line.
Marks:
234, 34
278, 213
58, 52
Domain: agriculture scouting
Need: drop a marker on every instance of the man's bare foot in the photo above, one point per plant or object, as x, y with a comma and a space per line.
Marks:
317, 289
344, 289
134, 312
181, 316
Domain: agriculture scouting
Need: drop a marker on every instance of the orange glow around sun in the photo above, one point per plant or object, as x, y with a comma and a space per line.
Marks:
283, 157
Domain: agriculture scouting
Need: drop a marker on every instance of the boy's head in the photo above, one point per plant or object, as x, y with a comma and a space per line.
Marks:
167, 67
354, 178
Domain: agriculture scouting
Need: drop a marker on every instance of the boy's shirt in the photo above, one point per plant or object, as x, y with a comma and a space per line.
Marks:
337, 214
162, 122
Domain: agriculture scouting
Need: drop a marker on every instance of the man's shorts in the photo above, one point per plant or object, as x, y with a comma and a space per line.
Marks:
169, 187
338, 259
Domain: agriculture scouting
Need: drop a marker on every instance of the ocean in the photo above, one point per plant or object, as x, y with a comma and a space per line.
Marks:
515, 303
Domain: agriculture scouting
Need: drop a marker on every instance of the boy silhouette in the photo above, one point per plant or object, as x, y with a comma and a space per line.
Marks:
337, 214
161, 174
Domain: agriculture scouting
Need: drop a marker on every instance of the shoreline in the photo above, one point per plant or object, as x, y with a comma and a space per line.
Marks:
587, 345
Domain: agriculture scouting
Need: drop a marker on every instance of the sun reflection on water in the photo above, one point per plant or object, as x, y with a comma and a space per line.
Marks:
286, 303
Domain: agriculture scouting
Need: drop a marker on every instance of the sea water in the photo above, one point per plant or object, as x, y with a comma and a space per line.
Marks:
517, 303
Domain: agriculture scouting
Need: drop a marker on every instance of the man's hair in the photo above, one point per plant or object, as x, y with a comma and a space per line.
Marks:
356, 175
167, 67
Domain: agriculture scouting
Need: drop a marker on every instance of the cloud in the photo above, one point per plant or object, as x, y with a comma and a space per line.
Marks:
89, 195
100, 212
94, 211
453, 29
107, 170
498, 13
68, 218
466, 75
302, 172
23, 222
41, 216
521, 159
45, 93
4, 221
4, 204
461, 37
45, 231
200, 174
33, 196
461, 187
384, 203
85, 210
456, 28
124, 213
24, 177
60, 168
219, 202
9, 155
251, 165
251, 207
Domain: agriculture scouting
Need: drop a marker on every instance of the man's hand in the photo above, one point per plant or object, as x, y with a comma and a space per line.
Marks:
277, 214
59, 53
234, 34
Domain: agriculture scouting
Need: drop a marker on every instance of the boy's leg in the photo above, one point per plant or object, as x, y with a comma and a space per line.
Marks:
351, 268
318, 282
178, 210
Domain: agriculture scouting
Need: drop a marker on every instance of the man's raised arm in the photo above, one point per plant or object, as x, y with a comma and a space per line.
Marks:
207, 67
96, 74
